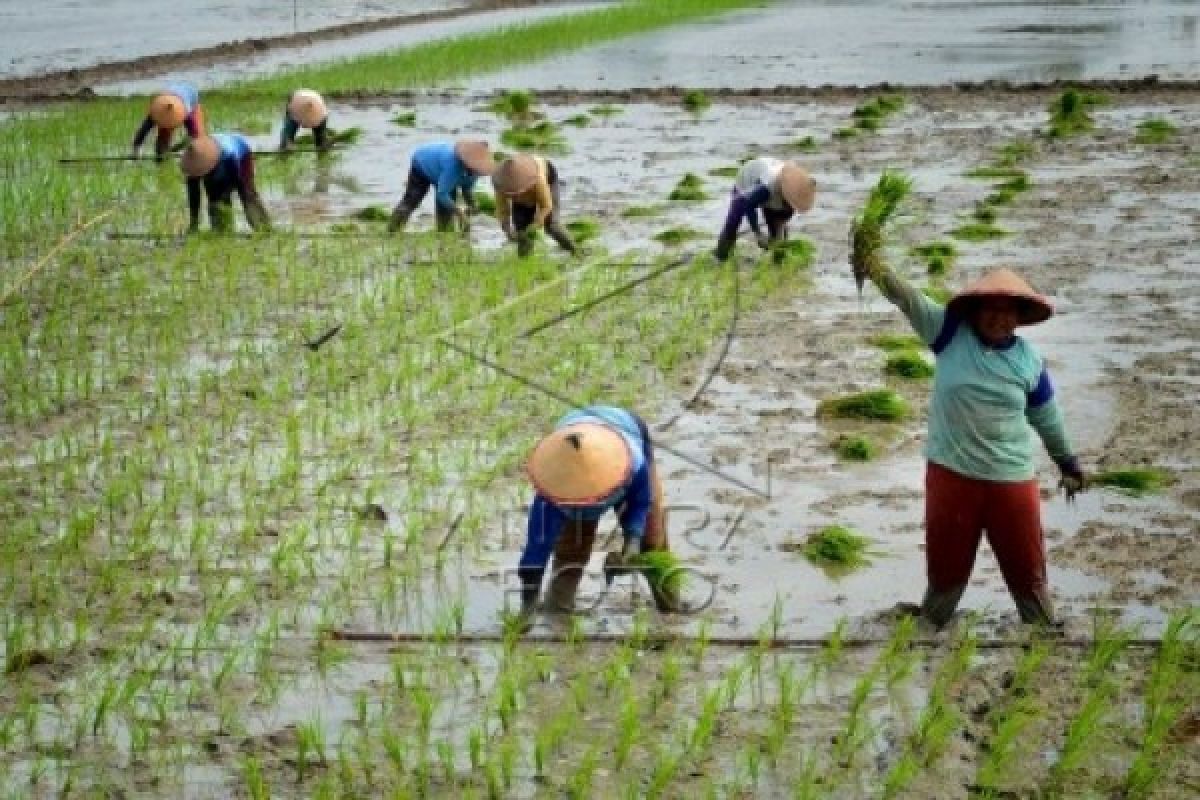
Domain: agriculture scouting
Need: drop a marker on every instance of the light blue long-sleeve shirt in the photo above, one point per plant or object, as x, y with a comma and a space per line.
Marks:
987, 401
438, 162
546, 520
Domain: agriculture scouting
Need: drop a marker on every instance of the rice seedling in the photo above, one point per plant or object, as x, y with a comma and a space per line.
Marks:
1134, 481
690, 189
867, 239
515, 104
876, 404
673, 237
605, 110
996, 171
724, 172
910, 365
1069, 113
837, 546
806, 144
854, 448
343, 138
405, 119
543, 136
891, 342
583, 229
799, 253
1155, 130
637, 212
984, 213
372, 213
846, 133
696, 101
978, 232
869, 116
939, 257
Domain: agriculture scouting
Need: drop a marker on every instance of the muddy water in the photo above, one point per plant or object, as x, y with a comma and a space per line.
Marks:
851, 42
1100, 225
62, 34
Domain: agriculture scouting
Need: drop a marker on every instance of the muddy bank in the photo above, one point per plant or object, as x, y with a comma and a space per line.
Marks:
80, 82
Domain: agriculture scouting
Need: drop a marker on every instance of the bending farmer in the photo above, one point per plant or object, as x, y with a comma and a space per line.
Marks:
527, 198
452, 169
305, 109
598, 458
779, 188
990, 394
225, 164
177, 104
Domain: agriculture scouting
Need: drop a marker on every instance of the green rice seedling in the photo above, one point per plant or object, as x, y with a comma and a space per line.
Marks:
867, 240
806, 144
252, 777
701, 641
578, 121
516, 104
892, 342
978, 232
690, 189
939, 257
1069, 113
405, 119
343, 138
1014, 152
663, 571
635, 212
673, 237
583, 229
846, 133
605, 110
543, 136
997, 171
373, 213
837, 546
937, 293
876, 404
627, 734
854, 448
1155, 130
485, 202
695, 100
910, 365
799, 253
984, 213
724, 172
1134, 481
579, 786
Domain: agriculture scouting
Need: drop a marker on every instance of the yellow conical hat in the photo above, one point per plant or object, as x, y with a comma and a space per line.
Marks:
515, 175
167, 111
798, 188
580, 464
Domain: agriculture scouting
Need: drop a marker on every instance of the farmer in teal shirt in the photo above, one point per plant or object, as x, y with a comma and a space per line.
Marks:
991, 395
597, 458
452, 169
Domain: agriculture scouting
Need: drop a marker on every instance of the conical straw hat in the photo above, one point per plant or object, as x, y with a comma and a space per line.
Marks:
167, 111
797, 186
580, 465
515, 175
200, 157
476, 155
1035, 308
307, 108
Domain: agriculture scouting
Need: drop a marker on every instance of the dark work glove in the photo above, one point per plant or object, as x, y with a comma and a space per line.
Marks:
1073, 481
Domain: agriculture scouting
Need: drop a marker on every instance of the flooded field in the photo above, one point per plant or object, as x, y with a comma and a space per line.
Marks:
263, 494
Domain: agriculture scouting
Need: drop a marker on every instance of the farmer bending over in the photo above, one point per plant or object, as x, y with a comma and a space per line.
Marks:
991, 393
177, 104
225, 164
779, 188
598, 458
452, 169
305, 109
527, 198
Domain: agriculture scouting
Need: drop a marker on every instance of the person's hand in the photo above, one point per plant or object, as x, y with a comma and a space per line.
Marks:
1072, 480
632, 548
764, 241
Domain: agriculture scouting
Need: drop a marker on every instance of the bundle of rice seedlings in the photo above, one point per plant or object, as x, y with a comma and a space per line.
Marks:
1135, 481
867, 229
908, 364
543, 136
806, 144
673, 237
578, 121
583, 229
881, 404
695, 100
939, 257
405, 119
870, 115
515, 104
633, 212
845, 133
663, 571
798, 253
372, 213
343, 137
485, 202
837, 546
854, 448
1154, 130
894, 341
995, 172
605, 110
978, 232
1069, 113
688, 190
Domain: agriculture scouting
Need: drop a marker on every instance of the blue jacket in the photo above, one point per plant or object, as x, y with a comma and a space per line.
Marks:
445, 170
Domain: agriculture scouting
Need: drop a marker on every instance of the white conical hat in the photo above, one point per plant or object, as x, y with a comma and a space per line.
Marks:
307, 108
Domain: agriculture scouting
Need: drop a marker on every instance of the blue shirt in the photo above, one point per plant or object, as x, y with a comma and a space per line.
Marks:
546, 520
445, 170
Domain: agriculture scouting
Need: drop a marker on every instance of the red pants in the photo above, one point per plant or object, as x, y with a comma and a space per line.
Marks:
958, 510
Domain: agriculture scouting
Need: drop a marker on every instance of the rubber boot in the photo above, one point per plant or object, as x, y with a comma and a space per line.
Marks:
939, 606
399, 219
1035, 608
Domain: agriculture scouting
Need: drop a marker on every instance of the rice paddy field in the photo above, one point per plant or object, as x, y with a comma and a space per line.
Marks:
261, 494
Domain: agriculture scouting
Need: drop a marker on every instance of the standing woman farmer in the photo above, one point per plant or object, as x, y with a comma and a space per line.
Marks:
778, 188
991, 394
527, 198
178, 104
453, 169
225, 164
597, 458
305, 109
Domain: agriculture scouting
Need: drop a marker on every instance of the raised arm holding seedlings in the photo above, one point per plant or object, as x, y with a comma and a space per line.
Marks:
991, 393
777, 188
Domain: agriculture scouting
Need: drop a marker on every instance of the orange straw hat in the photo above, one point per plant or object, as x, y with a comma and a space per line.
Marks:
580, 465
200, 157
798, 188
476, 155
167, 111
516, 174
307, 107
1035, 308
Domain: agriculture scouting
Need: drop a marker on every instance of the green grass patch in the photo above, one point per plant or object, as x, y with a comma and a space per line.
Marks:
854, 448
806, 144
896, 341
876, 404
1135, 481
372, 213
908, 364
405, 119
978, 232
696, 101
1155, 130
673, 237
724, 172
640, 212
583, 229
837, 546
690, 189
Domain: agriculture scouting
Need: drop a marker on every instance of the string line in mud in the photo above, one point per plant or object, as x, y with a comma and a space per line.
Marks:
572, 403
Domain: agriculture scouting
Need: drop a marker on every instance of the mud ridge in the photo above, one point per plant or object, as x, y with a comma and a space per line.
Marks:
75, 83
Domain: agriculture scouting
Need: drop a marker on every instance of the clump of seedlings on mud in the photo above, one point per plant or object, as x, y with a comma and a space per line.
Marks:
530, 129
1069, 113
405, 119
725, 172
854, 448
837, 546
939, 257
696, 101
674, 237
870, 116
690, 189
583, 229
908, 364
1134, 481
372, 213
641, 212
876, 404
806, 144
342, 138
799, 253
1155, 130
